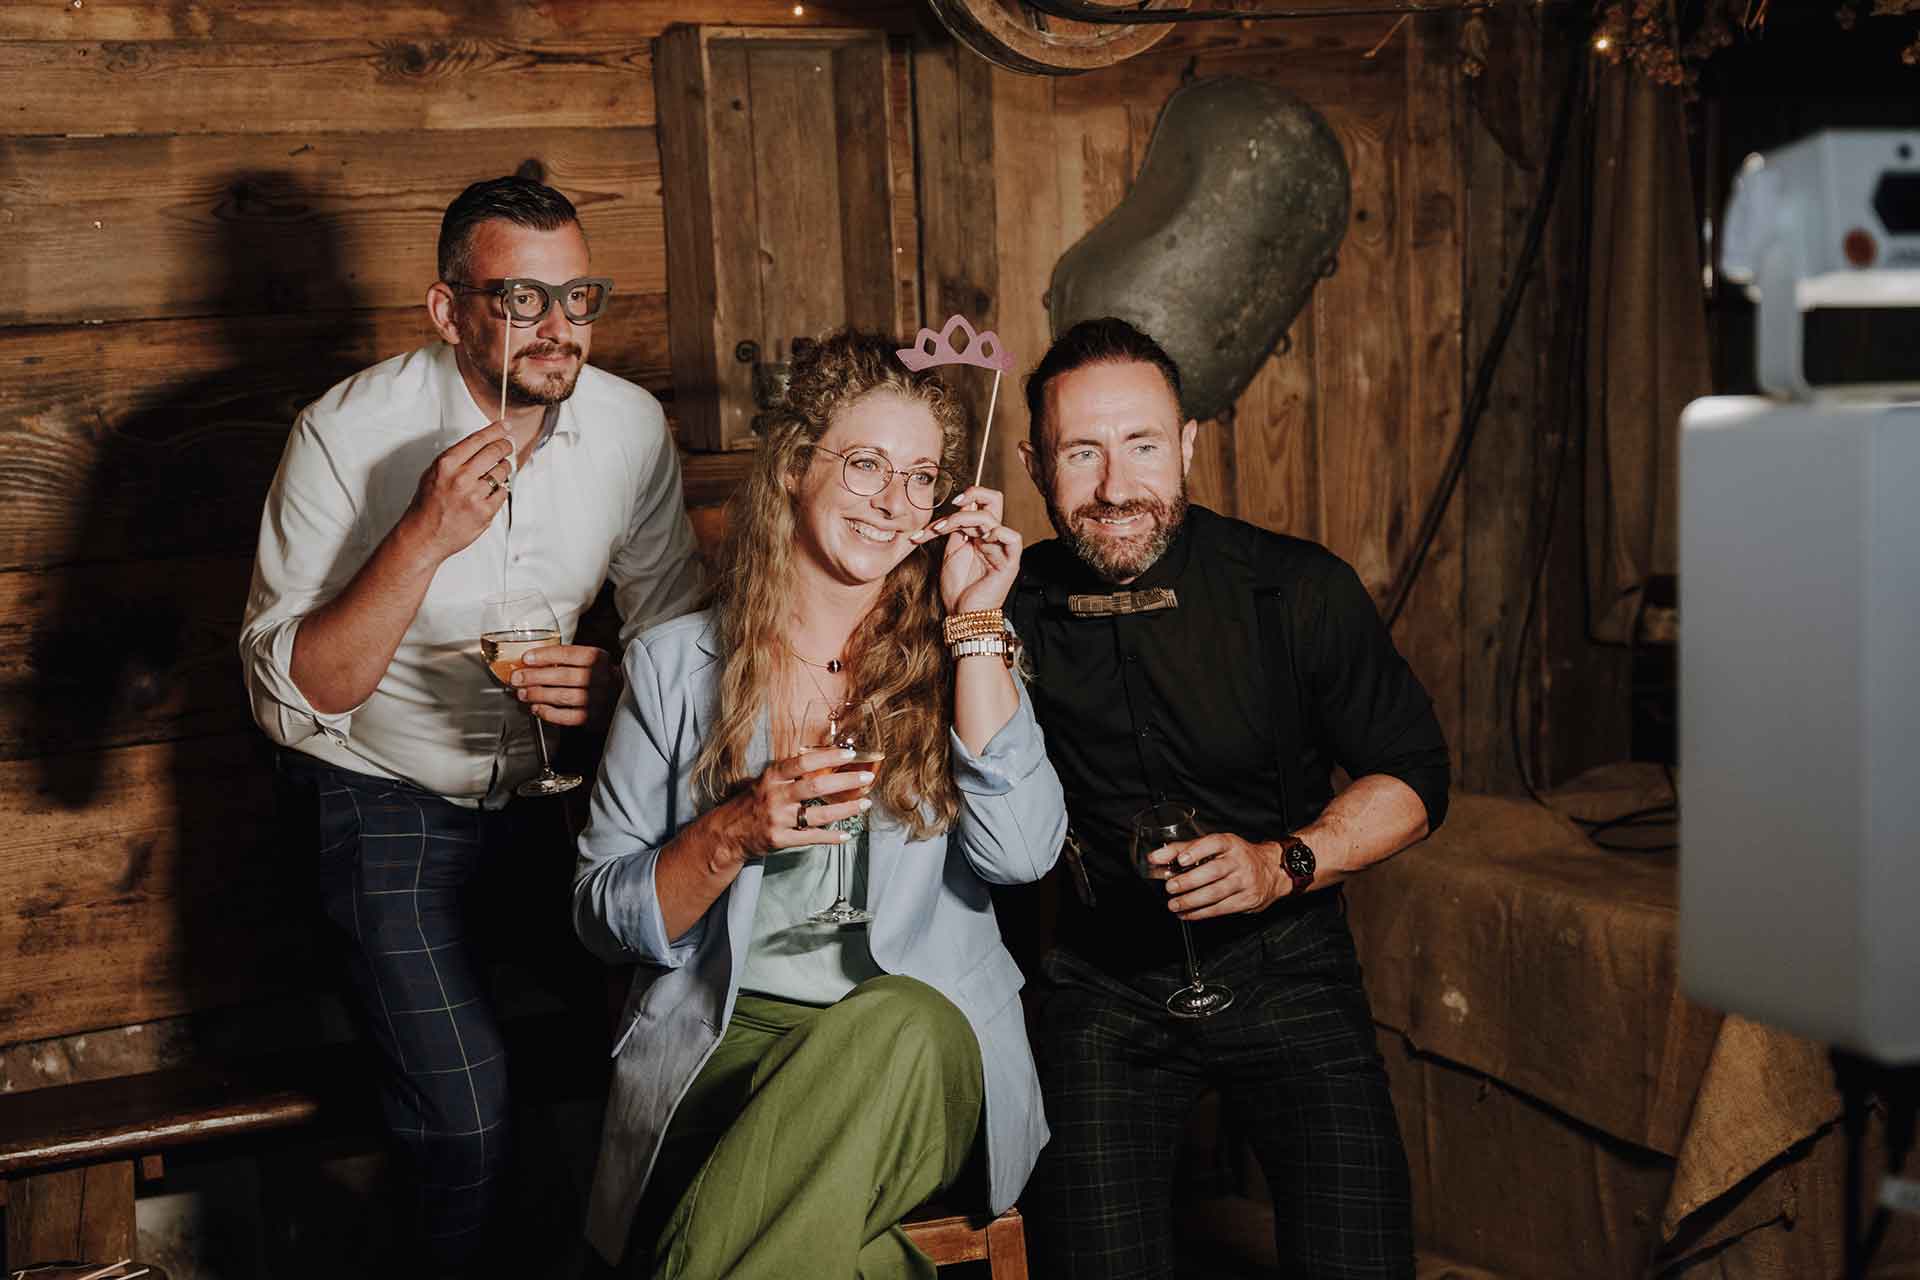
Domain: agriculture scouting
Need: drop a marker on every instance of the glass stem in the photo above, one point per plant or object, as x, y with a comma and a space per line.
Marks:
840, 874
540, 736
1193, 963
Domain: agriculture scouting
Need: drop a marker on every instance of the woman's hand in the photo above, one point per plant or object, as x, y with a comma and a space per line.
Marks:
982, 555
788, 806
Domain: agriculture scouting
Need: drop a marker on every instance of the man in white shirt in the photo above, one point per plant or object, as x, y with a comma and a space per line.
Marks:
402, 501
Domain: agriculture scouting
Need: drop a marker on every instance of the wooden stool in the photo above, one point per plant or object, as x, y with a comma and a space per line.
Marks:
957, 1237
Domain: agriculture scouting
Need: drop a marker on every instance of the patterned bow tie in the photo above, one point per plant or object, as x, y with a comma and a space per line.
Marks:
1149, 601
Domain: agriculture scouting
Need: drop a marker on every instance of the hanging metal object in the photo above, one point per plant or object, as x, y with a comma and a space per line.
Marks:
1021, 37
1238, 211
1065, 37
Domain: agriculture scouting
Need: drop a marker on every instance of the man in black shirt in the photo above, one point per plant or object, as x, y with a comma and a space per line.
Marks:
1180, 656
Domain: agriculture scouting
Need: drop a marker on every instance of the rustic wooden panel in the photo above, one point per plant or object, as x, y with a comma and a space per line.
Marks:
1028, 214
1324, 69
1498, 486
158, 438
1432, 204
122, 653
1361, 364
1277, 442
960, 272
121, 228
906, 200
163, 856
280, 20
395, 85
71, 1213
796, 172
861, 125
706, 146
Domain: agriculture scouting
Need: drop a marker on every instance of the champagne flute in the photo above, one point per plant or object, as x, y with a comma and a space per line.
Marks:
510, 625
1155, 827
851, 724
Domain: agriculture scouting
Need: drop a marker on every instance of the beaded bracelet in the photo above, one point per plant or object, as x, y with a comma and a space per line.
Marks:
975, 623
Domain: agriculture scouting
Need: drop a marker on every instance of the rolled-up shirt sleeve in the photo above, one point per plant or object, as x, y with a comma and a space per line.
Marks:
1013, 813
1376, 713
308, 551
635, 812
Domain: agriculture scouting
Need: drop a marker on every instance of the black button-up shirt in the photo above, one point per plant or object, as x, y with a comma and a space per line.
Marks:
1180, 704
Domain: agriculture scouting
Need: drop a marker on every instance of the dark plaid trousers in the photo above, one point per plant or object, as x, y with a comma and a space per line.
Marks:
1300, 1077
411, 886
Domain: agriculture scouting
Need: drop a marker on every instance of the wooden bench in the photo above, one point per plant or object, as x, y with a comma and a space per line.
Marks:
69, 1154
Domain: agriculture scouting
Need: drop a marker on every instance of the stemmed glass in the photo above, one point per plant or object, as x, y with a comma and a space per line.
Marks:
851, 724
1154, 828
511, 624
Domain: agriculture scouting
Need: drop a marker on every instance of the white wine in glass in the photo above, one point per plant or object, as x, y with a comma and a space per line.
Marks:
1154, 828
510, 625
854, 726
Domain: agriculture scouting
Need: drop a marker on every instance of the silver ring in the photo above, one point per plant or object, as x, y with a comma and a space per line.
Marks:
493, 486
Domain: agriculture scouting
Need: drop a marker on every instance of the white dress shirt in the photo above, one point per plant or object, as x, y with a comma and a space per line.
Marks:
600, 500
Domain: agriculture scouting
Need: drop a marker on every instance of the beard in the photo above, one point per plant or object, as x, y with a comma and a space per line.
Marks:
1120, 560
547, 388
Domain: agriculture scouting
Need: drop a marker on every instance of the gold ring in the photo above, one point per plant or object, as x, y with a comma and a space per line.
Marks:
493, 486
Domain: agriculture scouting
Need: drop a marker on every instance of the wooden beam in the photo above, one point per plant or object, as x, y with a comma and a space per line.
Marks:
332, 86
1430, 234
126, 228
300, 20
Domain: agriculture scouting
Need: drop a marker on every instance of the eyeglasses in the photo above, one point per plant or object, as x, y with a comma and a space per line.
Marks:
527, 301
867, 472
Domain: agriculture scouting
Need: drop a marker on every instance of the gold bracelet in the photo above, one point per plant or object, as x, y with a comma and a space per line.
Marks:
974, 624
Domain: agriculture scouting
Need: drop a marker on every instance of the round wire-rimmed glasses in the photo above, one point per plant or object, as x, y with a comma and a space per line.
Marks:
867, 472
1156, 827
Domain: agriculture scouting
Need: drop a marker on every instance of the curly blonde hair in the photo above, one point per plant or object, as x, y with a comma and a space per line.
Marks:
898, 656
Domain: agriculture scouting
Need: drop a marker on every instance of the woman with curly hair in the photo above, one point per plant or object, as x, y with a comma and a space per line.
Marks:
786, 1091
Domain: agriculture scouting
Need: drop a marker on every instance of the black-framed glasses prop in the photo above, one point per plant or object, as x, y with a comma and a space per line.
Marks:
526, 301
867, 472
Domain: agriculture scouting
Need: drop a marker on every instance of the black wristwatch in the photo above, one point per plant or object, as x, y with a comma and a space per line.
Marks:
1296, 858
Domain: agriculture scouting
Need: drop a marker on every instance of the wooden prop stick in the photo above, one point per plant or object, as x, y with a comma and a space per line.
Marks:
986, 432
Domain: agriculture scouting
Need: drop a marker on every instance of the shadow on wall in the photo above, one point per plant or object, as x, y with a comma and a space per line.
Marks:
136, 682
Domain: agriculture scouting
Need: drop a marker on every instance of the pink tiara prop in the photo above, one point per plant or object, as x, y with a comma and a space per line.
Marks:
983, 350
930, 349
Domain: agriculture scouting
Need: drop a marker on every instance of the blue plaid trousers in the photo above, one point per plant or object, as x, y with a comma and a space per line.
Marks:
410, 885
1300, 1078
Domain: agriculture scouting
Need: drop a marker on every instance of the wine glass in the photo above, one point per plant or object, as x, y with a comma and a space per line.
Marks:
850, 724
511, 624
1155, 827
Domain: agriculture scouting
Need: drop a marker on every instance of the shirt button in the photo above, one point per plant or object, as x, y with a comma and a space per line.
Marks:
1143, 733
1130, 657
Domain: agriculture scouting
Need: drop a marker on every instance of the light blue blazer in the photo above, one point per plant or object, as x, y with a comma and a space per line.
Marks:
933, 919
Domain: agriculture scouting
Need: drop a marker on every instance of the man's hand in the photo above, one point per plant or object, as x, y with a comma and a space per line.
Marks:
460, 491
1221, 875
567, 684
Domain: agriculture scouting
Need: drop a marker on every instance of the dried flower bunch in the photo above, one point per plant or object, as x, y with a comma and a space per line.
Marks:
1668, 40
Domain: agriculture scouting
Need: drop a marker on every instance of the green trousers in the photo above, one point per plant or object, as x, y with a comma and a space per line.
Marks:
811, 1133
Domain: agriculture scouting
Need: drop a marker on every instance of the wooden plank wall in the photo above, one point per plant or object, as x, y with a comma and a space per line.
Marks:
1342, 438
211, 213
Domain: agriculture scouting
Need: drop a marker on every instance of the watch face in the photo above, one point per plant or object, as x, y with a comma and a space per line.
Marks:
1299, 862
